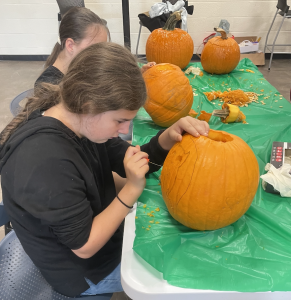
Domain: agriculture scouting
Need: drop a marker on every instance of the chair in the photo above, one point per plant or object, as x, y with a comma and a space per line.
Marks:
65, 5
15, 108
282, 10
4, 219
19, 277
158, 22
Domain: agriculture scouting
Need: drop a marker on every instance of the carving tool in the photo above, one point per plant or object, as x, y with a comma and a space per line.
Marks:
152, 162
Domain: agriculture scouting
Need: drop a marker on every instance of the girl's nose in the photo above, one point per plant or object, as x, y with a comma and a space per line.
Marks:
124, 127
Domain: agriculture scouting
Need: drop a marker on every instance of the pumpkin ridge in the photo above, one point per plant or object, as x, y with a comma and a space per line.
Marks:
170, 117
173, 185
173, 109
209, 204
245, 208
235, 149
226, 184
161, 91
191, 175
170, 156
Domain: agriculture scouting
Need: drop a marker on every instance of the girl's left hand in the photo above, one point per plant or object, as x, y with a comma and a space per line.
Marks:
173, 134
147, 66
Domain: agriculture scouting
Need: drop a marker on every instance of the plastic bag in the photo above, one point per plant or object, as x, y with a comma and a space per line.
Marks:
250, 255
280, 178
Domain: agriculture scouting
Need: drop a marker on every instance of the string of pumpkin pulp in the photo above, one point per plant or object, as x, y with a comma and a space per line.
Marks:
172, 21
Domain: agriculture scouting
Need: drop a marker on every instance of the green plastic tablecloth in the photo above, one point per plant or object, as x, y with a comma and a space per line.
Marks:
250, 255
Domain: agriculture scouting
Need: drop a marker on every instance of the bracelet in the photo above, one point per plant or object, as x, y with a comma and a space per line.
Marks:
123, 202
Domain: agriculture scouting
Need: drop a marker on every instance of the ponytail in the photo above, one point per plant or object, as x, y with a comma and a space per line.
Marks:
47, 96
52, 58
74, 25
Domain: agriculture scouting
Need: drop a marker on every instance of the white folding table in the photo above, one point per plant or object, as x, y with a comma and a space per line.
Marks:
141, 281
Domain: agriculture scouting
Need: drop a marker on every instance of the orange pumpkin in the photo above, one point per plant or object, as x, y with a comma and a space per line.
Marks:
220, 55
170, 94
204, 116
169, 44
209, 182
192, 113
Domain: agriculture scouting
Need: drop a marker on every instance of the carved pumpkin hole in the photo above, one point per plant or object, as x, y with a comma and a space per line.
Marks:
219, 137
165, 67
179, 158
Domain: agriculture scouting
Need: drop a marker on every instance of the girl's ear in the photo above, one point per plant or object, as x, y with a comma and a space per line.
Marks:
70, 45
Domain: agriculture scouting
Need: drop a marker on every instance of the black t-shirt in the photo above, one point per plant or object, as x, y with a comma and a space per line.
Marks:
50, 75
53, 185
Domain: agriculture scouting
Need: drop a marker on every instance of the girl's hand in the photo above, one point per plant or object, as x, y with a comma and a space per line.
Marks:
174, 133
147, 66
136, 166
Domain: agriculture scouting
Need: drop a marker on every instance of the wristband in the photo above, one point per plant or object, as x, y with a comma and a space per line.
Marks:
123, 202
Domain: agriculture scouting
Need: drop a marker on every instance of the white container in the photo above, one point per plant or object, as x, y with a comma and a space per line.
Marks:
248, 46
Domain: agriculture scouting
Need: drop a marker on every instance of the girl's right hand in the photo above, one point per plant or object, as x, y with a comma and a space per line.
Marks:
136, 166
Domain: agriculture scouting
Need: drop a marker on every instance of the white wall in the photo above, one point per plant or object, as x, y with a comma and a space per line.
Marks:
30, 26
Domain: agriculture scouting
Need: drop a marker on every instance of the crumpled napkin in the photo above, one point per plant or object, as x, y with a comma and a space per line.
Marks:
163, 8
280, 178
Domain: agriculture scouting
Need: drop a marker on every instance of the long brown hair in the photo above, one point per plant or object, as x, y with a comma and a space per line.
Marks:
74, 25
103, 77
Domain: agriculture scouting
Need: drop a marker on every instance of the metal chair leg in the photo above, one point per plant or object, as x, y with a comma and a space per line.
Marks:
7, 228
266, 43
271, 57
138, 39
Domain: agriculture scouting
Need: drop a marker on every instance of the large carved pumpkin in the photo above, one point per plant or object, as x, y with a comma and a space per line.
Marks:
209, 182
220, 55
169, 44
170, 95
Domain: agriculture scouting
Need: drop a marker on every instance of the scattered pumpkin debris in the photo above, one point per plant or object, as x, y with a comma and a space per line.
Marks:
157, 222
204, 116
152, 221
157, 209
147, 229
144, 206
194, 71
192, 113
236, 97
136, 217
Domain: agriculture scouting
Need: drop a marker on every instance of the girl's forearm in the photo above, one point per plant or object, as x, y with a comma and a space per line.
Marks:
106, 223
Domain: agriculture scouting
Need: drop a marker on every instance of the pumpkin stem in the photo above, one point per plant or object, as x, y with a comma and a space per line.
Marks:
222, 32
172, 21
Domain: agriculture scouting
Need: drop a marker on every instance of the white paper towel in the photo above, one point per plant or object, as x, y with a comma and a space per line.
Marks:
280, 178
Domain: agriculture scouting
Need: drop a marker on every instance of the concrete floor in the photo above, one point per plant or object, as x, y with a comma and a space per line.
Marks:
18, 76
